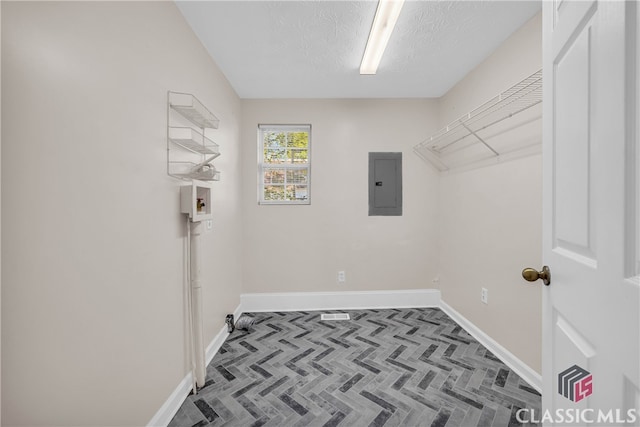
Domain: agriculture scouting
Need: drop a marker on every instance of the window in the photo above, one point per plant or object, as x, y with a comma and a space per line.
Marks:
285, 166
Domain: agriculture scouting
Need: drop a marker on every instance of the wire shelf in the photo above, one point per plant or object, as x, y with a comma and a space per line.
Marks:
194, 141
189, 171
483, 133
191, 108
189, 152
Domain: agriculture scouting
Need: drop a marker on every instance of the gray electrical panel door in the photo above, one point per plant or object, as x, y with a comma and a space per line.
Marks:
385, 184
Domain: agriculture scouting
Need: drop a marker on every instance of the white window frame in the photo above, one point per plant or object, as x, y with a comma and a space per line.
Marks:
262, 166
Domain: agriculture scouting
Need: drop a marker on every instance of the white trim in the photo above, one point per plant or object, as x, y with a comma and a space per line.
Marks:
173, 403
302, 301
509, 359
218, 340
169, 409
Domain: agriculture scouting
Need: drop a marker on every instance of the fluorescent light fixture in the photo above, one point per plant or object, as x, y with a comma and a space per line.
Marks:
386, 16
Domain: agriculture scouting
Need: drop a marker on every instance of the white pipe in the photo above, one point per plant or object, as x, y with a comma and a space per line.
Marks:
192, 357
196, 303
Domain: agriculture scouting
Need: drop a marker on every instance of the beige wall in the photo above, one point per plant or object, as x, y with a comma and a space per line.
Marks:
490, 218
93, 319
518, 57
302, 248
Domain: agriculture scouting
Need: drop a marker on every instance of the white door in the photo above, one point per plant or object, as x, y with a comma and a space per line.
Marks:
591, 333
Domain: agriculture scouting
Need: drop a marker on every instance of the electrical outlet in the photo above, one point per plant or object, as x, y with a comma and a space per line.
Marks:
484, 295
342, 277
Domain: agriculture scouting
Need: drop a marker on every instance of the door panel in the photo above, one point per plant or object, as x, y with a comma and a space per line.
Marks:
566, 17
572, 348
572, 171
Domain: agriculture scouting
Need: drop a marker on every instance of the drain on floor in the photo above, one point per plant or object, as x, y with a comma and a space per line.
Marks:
335, 316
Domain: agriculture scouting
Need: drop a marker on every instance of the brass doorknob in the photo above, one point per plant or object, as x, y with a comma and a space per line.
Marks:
531, 275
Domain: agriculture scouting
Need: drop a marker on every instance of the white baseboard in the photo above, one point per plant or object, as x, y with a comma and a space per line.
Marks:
517, 365
218, 340
173, 403
308, 301
166, 413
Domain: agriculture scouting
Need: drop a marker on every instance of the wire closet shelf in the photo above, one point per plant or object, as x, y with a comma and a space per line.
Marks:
485, 135
189, 151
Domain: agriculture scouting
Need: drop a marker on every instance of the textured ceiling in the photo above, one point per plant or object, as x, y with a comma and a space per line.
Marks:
312, 49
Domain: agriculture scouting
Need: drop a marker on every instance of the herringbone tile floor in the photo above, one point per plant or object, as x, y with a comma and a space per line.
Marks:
396, 367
